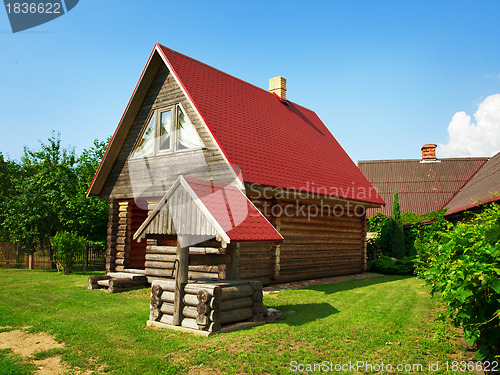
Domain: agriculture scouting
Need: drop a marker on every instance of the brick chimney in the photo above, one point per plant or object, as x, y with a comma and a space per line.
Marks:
429, 152
278, 86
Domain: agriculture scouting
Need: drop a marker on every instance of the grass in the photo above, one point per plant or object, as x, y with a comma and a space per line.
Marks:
387, 319
11, 364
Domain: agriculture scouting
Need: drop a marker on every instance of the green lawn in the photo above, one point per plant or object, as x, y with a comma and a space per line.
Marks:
377, 320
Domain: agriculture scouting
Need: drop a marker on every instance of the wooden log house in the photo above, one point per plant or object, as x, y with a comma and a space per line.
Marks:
211, 136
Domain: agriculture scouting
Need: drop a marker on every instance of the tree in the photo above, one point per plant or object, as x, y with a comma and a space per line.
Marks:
66, 245
49, 196
90, 215
39, 207
9, 175
398, 246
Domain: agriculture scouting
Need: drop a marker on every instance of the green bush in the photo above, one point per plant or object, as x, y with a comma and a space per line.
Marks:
392, 266
67, 246
462, 265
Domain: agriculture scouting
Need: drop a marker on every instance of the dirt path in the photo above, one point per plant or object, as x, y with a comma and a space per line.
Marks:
27, 344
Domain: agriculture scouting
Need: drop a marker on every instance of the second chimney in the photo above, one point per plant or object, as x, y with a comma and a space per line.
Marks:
429, 152
277, 85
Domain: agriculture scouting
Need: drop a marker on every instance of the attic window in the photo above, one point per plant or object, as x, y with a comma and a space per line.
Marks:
168, 130
146, 144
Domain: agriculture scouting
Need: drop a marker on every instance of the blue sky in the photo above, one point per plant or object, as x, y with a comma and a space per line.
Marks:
385, 77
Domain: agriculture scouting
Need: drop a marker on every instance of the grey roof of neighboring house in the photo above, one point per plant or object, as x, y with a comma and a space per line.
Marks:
483, 187
422, 186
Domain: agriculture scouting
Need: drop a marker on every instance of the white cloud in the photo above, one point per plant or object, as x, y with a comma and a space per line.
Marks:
474, 139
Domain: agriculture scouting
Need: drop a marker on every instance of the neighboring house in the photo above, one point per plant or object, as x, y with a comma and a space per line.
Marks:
197, 151
430, 184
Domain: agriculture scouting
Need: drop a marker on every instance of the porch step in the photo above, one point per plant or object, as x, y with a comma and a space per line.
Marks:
116, 282
133, 270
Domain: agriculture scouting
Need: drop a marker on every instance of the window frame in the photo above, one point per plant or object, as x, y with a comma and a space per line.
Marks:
173, 132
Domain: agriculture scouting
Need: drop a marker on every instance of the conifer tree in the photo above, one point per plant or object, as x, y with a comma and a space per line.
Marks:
398, 247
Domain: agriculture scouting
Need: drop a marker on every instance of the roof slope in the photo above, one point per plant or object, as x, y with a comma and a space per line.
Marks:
273, 143
483, 187
422, 186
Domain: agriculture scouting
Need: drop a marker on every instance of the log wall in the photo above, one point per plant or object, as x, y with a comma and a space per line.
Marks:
209, 306
122, 235
321, 239
112, 236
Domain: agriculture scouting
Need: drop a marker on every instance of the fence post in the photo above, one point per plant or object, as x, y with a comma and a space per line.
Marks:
86, 257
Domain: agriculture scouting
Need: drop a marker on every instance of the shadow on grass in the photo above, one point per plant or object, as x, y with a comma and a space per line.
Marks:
296, 315
355, 284
299, 314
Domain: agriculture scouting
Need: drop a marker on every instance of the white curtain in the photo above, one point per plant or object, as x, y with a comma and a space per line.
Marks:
146, 147
188, 136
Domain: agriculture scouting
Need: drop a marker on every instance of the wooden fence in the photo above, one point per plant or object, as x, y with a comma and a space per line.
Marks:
11, 256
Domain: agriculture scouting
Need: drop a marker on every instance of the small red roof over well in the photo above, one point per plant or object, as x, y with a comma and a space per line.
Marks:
239, 218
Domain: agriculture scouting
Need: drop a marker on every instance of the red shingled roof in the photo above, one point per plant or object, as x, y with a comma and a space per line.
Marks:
273, 143
237, 216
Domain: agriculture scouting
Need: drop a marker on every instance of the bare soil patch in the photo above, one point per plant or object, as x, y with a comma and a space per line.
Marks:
27, 344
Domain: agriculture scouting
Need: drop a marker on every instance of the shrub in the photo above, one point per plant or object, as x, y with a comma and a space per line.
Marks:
66, 247
392, 266
462, 265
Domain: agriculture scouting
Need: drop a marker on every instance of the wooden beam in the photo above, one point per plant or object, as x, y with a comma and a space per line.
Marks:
181, 279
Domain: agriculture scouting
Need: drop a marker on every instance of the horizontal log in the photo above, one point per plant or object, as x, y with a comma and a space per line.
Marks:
152, 249
209, 259
92, 283
291, 247
237, 291
169, 266
189, 299
120, 262
161, 257
290, 240
167, 319
255, 257
327, 226
254, 265
236, 303
190, 323
190, 288
187, 311
234, 316
254, 274
287, 263
202, 320
335, 234
320, 222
